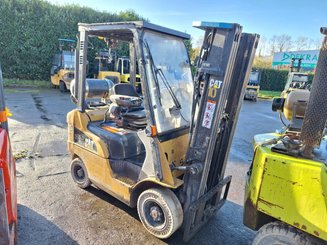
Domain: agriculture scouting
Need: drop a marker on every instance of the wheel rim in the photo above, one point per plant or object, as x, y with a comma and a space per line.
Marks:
154, 214
79, 173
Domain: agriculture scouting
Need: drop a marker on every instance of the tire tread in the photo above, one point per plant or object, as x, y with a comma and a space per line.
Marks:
280, 229
169, 200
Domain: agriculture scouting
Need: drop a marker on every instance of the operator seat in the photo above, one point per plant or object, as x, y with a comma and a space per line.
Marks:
124, 145
130, 104
125, 89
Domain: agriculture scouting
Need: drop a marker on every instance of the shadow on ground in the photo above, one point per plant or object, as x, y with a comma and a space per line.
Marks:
226, 227
39, 228
113, 201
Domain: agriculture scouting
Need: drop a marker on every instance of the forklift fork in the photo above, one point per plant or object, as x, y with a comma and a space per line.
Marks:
190, 228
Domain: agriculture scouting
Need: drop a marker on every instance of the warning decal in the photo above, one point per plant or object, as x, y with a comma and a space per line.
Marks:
208, 114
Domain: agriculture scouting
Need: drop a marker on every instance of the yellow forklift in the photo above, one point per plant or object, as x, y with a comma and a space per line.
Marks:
106, 65
117, 70
296, 79
63, 65
164, 153
253, 86
286, 188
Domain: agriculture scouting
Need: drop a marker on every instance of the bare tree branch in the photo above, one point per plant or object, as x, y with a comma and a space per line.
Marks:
302, 43
273, 44
262, 46
283, 43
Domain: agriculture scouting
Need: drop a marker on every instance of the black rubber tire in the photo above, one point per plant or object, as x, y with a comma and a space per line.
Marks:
79, 173
16, 233
281, 233
62, 87
170, 209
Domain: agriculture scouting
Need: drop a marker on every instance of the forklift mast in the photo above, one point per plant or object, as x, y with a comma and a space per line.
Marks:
64, 43
222, 73
298, 67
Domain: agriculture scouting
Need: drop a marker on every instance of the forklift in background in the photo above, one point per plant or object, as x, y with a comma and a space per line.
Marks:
106, 65
63, 65
253, 86
8, 192
286, 188
296, 79
164, 153
117, 70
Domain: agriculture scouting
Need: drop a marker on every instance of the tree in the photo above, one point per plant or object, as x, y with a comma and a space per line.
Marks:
283, 43
262, 47
30, 30
302, 43
195, 48
273, 44
315, 43
188, 45
262, 62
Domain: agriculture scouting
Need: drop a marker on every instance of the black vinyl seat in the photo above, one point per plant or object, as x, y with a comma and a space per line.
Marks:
135, 114
125, 89
134, 117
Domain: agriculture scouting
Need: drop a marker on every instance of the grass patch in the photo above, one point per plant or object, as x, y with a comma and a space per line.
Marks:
266, 94
21, 83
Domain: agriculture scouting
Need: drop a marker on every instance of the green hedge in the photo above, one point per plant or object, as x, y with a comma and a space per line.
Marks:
275, 80
29, 32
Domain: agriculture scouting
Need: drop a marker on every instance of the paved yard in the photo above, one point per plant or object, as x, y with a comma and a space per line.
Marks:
52, 210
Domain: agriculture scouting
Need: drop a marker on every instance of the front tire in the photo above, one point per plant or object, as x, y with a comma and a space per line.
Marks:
280, 233
160, 212
79, 173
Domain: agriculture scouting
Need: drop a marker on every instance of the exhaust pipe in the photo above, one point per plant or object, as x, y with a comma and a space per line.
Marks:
323, 30
316, 113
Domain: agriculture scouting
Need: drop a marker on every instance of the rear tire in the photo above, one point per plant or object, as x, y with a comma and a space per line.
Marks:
62, 87
160, 212
281, 233
79, 173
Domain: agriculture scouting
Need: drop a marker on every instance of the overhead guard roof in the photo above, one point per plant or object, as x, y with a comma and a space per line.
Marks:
124, 28
203, 24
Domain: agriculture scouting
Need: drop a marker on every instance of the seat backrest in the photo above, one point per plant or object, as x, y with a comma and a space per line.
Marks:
125, 89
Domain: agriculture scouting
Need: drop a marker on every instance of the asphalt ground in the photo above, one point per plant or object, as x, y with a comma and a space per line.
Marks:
53, 210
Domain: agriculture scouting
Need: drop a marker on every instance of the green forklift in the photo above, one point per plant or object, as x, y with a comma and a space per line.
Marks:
286, 187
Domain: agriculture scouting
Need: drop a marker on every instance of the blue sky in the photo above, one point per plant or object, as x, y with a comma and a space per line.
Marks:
266, 17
